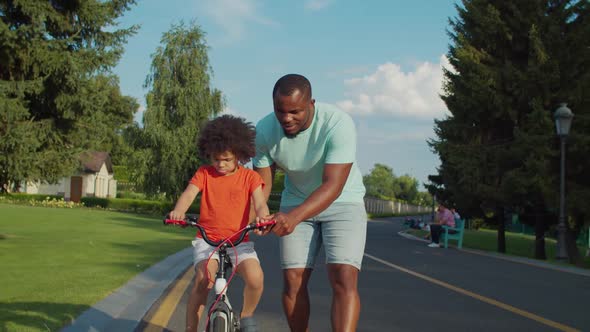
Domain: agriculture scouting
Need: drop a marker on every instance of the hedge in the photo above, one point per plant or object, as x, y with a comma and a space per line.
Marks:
134, 205
30, 197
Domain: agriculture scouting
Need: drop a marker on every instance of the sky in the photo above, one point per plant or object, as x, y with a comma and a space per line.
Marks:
380, 60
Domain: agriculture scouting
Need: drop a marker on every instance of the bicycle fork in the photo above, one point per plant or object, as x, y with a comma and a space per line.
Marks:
222, 317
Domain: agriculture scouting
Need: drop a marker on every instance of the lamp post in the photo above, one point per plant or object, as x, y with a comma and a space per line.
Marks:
563, 121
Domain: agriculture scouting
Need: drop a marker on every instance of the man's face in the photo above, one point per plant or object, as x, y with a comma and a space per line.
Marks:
294, 112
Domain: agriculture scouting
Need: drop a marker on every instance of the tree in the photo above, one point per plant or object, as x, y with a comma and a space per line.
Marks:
180, 100
54, 84
380, 182
513, 62
406, 188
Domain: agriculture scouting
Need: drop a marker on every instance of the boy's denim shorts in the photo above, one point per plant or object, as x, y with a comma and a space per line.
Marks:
341, 229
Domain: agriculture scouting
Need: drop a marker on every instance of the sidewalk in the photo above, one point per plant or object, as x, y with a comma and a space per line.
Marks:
515, 259
125, 307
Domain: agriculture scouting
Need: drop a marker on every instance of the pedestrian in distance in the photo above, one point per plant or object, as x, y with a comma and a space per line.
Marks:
443, 217
323, 200
227, 191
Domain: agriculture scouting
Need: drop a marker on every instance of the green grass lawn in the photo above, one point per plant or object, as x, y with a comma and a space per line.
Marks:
55, 263
516, 244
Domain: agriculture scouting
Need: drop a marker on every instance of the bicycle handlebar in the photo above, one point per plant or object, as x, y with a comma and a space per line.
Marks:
192, 221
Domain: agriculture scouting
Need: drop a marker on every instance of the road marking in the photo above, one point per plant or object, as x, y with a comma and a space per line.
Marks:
161, 317
482, 298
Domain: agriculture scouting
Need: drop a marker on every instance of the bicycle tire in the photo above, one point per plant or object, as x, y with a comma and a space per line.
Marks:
220, 323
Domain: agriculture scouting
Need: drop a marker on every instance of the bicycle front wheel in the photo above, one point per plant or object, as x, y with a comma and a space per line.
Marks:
220, 323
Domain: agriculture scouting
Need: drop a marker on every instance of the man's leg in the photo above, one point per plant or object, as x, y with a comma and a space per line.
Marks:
296, 298
346, 303
344, 229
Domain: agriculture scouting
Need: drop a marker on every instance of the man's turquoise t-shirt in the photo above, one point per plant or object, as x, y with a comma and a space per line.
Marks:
331, 139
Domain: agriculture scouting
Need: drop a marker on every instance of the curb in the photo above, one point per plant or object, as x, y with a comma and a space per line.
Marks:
514, 259
124, 309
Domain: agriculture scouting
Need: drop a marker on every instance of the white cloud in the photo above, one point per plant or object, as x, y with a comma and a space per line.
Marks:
234, 15
390, 91
317, 4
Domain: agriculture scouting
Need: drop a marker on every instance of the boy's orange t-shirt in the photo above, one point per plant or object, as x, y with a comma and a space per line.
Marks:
225, 200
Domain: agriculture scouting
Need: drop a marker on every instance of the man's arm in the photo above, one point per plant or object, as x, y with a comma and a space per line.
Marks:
333, 181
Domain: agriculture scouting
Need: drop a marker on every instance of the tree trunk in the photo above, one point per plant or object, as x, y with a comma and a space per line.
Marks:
501, 230
540, 238
573, 253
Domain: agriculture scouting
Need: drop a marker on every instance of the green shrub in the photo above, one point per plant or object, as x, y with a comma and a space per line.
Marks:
135, 205
130, 194
273, 205
117, 204
30, 197
95, 202
39, 200
477, 223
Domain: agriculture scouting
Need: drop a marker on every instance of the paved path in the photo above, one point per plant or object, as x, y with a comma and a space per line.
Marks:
406, 286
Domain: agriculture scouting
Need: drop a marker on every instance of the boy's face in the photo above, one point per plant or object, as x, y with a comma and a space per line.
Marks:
225, 163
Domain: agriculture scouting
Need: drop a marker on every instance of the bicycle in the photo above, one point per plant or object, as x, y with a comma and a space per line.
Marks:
221, 316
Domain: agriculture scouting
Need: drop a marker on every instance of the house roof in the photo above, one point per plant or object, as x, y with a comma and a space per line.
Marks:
92, 161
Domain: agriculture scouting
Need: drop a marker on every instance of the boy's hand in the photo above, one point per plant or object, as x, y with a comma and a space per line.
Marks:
176, 215
266, 229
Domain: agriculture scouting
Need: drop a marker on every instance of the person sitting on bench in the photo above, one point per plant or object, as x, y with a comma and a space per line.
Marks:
443, 217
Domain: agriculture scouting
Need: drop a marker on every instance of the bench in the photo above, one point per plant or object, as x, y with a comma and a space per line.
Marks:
458, 235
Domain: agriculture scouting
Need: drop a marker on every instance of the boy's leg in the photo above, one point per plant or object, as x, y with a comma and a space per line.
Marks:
253, 276
198, 294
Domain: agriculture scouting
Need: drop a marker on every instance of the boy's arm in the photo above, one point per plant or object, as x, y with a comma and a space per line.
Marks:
267, 175
184, 202
259, 201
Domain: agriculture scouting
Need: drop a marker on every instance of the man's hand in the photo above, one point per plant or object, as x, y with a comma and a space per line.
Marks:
285, 224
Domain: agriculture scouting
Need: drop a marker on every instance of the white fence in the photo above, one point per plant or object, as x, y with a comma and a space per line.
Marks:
379, 206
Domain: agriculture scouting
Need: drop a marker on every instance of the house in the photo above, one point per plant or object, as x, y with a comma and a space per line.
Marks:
94, 179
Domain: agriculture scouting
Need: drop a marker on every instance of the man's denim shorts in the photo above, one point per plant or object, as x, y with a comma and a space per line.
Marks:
341, 229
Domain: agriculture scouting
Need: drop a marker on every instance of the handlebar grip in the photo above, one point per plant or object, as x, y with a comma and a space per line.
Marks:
175, 222
265, 223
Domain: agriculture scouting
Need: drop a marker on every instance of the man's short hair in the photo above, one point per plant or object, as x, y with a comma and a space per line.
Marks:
288, 84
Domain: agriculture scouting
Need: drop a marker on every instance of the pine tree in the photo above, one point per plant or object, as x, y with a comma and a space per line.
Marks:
512, 65
55, 58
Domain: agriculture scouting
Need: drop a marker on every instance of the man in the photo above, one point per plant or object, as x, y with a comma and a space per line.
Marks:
443, 217
322, 203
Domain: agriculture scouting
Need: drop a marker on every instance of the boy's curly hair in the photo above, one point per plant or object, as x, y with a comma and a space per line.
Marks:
228, 133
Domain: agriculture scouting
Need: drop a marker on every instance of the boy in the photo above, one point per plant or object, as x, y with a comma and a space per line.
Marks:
227, 190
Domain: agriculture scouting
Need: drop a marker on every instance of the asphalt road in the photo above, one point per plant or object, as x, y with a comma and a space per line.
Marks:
406, 286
